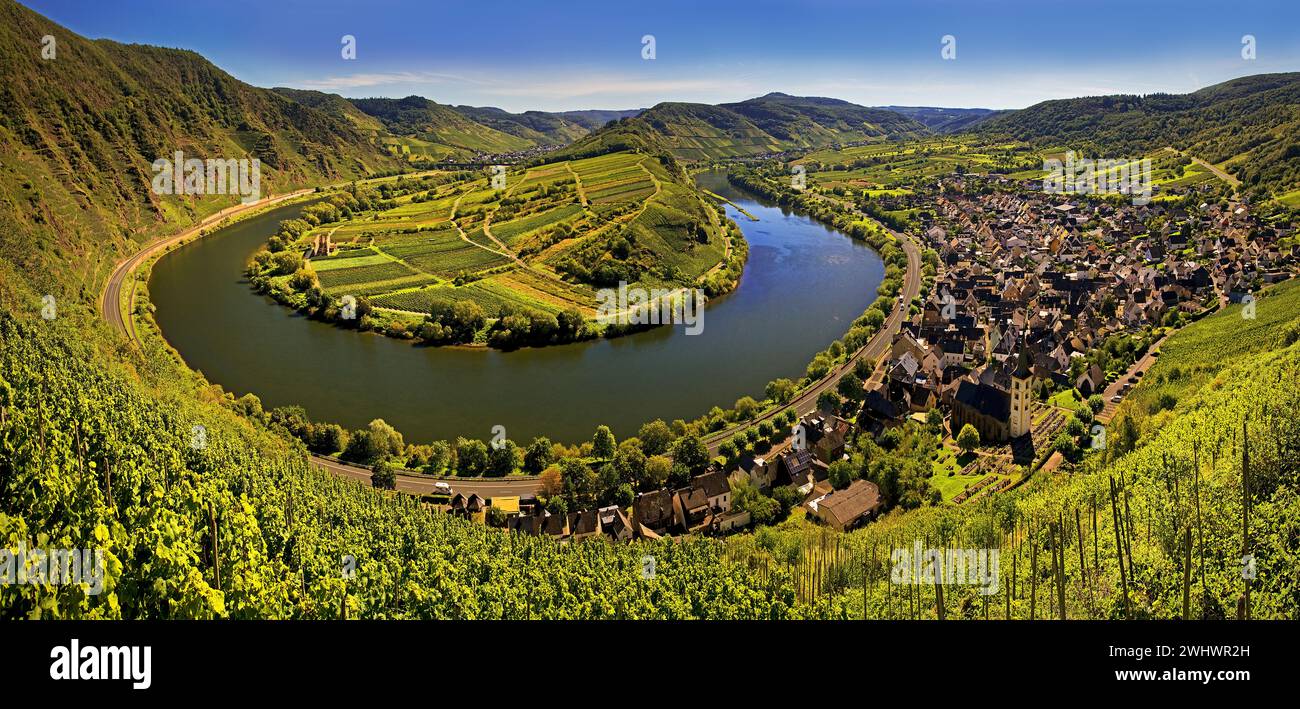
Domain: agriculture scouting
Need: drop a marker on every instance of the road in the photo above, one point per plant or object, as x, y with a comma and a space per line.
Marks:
522, 486
879, 343
1219, 173
1142, 365
110, 301
111, 310
525, 487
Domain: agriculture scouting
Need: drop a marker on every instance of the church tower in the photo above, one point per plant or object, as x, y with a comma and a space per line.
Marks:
1021, 379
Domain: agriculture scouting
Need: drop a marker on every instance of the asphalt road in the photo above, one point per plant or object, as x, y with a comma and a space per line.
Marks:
1142, 365
524, 487
111, 299
879, 343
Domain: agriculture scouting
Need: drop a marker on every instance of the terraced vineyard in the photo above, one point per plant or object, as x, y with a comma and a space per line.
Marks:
541, 244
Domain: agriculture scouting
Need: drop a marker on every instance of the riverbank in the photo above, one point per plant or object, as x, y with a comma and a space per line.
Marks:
766, 329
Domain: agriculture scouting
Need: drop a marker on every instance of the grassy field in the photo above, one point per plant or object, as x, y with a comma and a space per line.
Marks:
879, 169
465, 240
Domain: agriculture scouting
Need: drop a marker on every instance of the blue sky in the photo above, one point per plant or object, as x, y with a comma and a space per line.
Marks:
573, 54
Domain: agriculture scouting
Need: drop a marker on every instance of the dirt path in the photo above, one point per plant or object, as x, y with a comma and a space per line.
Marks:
577, 183
1219, 173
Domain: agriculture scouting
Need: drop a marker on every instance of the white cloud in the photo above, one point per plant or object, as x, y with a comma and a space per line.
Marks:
356, 81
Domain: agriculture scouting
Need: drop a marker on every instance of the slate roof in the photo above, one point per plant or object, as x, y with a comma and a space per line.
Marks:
985, 399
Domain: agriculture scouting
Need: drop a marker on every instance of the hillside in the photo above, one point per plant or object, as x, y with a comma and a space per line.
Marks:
334, 105
448, 132
945, 120
769, 124
809, 121
79, 133
242, 527
538, 127
527, 256
1177, 474
596, 118
1249, 126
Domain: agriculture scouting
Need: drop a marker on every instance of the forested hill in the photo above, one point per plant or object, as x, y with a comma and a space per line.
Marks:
431, 130
945, 120
80, 130
1254, 122
768, 124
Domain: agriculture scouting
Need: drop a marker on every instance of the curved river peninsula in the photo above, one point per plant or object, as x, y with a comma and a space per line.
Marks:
802, 287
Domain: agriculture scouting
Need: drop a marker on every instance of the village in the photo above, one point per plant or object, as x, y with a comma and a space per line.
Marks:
1045, 311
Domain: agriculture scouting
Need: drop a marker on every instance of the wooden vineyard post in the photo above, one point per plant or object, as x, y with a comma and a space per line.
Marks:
1033, 575
1187, 574
1119, 547
1244, 611
1060, 584
216, 549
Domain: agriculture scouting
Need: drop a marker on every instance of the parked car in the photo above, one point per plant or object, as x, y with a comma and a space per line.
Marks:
442, 487
1116, 399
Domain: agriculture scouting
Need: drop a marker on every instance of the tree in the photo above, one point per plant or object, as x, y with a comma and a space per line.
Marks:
382, 475
602, 444
728, 450
623, 495
503, 458
788, 496
779, 390
850, 386
630, 462
746, 497
679, 476
1083, 412
828, 401
439, 457
863, 368
934, 420
657, 470
691, 453
968, 439
385, 440
327, 438
471, 456
655, 437
841, 474
746, 408
551, 482
358, 448
1096, 403
581, 485
539, 455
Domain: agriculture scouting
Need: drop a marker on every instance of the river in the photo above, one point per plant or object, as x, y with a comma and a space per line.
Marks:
803, 285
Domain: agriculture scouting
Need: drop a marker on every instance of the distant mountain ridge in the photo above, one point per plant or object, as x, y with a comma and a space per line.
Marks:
456, 132
772, 123
945, 120
1253, 122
